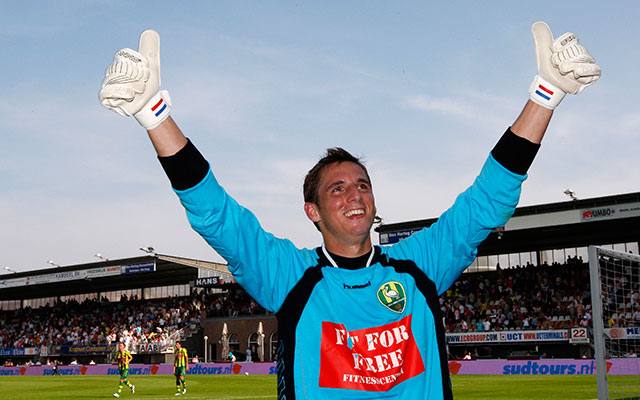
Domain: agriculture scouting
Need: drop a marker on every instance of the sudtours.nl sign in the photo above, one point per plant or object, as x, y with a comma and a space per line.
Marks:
616, 366
268, 368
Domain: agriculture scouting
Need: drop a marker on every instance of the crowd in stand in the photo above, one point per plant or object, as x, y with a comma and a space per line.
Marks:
525, 297
96, 322
528, 297
620, 290
234, 303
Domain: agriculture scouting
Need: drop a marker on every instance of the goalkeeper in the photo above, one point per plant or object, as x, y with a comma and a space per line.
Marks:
355, 320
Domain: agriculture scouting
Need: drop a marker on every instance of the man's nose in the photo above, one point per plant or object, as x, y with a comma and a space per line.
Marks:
353, 194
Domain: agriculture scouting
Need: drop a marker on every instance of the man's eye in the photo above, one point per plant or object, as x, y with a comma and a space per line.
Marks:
363, 186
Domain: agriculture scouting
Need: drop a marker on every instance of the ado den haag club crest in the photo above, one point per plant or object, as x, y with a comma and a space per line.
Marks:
392, 295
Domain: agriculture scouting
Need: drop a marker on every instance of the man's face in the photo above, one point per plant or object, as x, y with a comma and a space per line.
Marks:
346, 208
121, 346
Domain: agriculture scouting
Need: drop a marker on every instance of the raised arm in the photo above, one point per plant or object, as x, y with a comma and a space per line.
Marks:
450, 245
266, 266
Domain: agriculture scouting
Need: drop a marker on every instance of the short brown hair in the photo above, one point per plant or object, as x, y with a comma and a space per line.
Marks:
332, 156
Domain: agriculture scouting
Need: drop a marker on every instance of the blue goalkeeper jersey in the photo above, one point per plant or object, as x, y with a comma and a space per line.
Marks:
370, 333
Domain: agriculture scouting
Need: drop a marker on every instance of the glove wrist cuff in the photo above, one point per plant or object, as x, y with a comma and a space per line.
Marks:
155, 111
545, 93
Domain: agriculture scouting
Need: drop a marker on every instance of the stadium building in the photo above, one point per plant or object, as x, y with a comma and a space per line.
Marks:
80, 311
539, 242
524, 296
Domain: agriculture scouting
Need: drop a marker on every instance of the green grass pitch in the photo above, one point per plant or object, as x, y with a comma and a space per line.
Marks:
263, 387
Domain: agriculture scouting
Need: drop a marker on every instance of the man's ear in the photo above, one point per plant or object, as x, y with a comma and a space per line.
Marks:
311, 209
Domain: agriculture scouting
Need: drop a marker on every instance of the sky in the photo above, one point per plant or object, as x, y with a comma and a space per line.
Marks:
421, 90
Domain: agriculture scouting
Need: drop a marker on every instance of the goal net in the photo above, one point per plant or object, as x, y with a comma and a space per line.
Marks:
615, 300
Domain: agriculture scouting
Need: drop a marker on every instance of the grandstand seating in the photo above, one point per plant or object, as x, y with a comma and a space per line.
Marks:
522, 298
97, 322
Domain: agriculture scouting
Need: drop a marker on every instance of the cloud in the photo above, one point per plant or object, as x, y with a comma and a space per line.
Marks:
212, 99
469, 109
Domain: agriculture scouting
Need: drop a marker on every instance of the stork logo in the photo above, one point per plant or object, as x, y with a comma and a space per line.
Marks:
392, 295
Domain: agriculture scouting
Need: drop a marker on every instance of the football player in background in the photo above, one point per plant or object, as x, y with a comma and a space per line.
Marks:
123, 357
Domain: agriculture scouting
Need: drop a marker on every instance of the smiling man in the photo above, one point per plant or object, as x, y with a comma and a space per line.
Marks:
339, 200
356, 321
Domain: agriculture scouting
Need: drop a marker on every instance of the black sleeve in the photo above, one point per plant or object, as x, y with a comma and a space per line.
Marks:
186, 168
514, 152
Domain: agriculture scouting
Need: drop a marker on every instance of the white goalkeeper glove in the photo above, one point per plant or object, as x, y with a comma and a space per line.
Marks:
131, 84
564, 66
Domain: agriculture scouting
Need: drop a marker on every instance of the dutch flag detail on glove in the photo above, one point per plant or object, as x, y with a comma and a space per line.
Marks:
155, 111
158, 105
545, 93
541, 90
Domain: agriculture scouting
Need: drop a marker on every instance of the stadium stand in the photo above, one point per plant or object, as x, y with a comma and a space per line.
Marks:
78, 312
530, 297
97, 322
543, 284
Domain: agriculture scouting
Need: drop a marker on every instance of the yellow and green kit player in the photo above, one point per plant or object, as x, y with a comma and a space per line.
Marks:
180, 368
123, 357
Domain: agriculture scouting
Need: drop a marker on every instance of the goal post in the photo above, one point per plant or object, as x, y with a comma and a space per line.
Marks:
615, 285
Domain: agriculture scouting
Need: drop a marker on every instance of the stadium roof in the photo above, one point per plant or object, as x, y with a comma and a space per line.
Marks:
151, 270
574, 223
